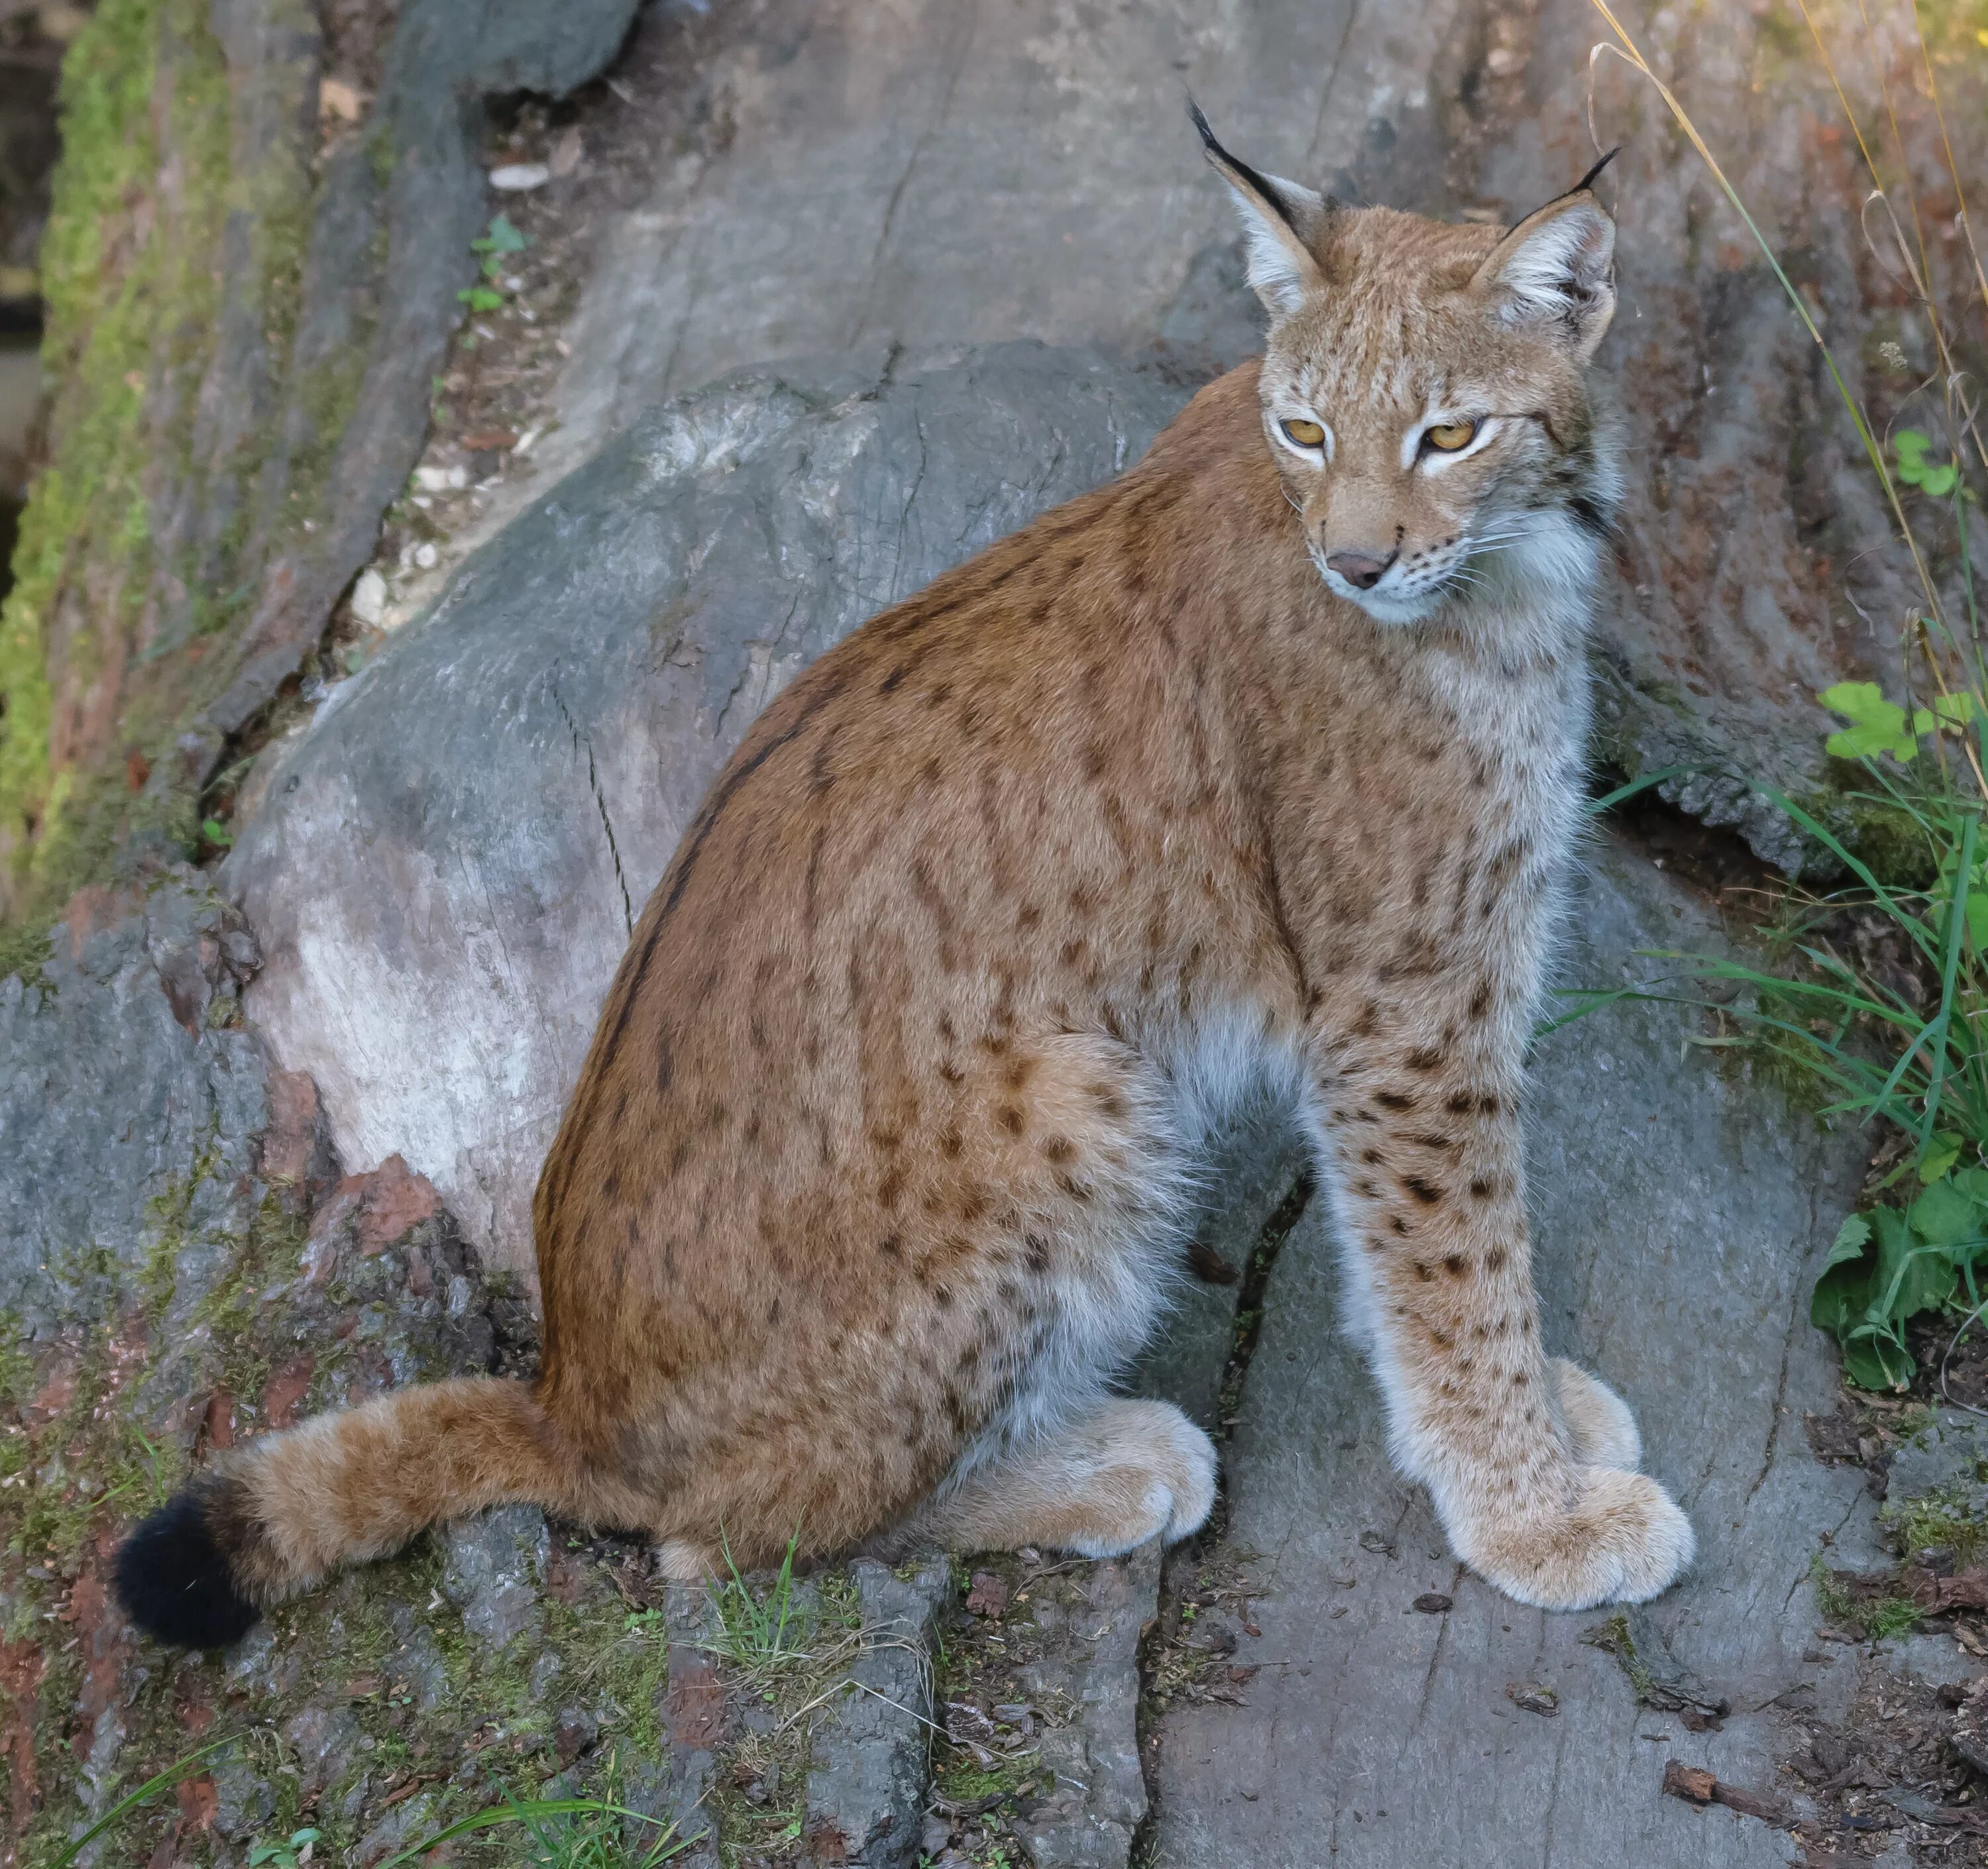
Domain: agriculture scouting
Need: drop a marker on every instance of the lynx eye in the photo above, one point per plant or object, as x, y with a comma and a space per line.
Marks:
1306, 434
1449, 436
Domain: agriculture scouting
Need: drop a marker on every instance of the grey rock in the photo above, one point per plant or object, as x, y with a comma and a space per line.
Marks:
325, 1741
244, 1799
866, 1792
416, 1661
1949, 1457
299, 409
114, 1085
1033, 176
389, 250
405, 1824
493, 1569
642, 1789
1096, 1800
696, 1719
1682, 1212
451, 861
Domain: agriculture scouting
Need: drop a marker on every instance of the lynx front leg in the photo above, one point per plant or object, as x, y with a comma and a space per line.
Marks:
1525, 1457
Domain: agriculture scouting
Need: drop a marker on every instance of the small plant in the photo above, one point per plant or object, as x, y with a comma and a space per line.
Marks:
1900, 1046
493, 247
759, 1634
154, 1787
578, 1832
1878, 1615
291, 1854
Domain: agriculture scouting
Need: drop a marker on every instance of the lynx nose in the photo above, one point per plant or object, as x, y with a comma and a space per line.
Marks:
1359, 570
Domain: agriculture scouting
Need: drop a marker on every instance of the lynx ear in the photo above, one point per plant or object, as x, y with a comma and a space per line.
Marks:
1556, 268
1279, 221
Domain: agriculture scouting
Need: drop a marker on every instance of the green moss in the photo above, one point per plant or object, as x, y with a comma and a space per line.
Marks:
24, 949
132, 264
1876, 1614
271, 1255
1948, 1521
1886, 838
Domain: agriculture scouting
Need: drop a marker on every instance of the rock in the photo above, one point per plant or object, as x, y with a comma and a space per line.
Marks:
296, 393
1682, 1213
934, 221
324, 1740
518, 177
493, 1569
575, 1730
405, 1824
369, 598
246, 1799
1948, 1456
125, 1082
1253, 1165
694, 1716
1096, 1797
866, 1793
450, 862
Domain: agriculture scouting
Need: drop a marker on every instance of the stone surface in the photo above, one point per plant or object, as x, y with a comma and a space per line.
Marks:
797, 176
696, 1717
1087, 1815
1251, 1167
282, 398
1681, 1214
493, 1571
866, 1793
448, 869
120, 1067
1949, 1456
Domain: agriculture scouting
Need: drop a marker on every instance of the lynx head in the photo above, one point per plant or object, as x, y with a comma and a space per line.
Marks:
1424, 390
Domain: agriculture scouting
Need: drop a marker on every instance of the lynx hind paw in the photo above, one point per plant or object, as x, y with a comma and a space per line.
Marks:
1599, 1426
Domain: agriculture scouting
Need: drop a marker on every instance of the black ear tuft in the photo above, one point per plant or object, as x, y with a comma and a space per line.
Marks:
1588, 180
1261, 183
172, 1575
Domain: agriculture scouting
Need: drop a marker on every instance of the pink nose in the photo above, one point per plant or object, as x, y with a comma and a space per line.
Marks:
1361, 571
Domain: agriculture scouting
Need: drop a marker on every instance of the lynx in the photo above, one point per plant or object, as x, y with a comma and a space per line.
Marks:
1258, 768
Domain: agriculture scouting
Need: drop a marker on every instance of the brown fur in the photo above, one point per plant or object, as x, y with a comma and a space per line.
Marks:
866, 1186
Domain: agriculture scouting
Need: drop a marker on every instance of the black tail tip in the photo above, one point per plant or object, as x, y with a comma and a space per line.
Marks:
172, 1577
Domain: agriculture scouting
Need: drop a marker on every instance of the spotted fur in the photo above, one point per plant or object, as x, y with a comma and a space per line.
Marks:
872, 1183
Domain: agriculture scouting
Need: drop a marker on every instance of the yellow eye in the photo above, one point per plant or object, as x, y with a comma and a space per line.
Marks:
1449, 436
1306, 434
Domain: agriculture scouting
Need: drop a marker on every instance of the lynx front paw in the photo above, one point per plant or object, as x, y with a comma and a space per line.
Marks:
1601, 1432
1621, 1539
1155, 1478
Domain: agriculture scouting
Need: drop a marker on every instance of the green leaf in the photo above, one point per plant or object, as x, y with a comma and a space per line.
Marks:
481, 298
1911, 1276
505, 238
1941, 1154
1851, 1238
1876, 725
1843, 1293
1977, 920
216, 832
1872, 1365
1937, 478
